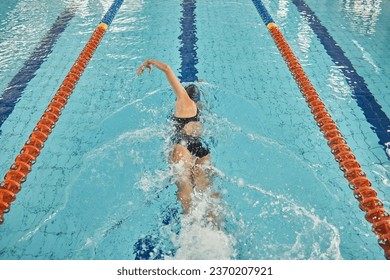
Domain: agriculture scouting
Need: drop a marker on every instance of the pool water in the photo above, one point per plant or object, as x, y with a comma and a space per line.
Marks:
103, 188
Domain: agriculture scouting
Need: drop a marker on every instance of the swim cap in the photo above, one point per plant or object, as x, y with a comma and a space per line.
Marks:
193, 92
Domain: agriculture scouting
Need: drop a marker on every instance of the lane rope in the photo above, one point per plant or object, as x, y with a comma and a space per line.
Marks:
22, 166
361, 186
365, 99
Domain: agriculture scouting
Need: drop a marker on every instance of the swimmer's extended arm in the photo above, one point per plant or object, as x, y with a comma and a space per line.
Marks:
175, 83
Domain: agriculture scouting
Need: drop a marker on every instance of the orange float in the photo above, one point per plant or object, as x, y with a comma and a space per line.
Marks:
19, 170
358, 182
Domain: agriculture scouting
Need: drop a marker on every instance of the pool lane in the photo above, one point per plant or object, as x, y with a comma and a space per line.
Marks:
22, 166
358, 182
19, 82
364, 98
145, 248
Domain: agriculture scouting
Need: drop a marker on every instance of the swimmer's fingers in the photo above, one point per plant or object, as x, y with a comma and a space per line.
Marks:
150, 68
140, 70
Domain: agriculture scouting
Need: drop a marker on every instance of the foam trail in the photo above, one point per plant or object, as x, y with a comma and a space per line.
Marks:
200, 243
52, 215
366, 56
201, 237
135, 101
289, 207
139, 135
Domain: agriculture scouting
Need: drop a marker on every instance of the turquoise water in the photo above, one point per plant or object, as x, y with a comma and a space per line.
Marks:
102, 187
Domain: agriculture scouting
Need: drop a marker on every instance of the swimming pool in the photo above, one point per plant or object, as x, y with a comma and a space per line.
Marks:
102, 187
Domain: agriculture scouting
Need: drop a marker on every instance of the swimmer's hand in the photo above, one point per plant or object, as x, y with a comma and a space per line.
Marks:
142, 68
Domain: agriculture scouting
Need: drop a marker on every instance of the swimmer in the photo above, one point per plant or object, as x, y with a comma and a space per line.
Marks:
188, 151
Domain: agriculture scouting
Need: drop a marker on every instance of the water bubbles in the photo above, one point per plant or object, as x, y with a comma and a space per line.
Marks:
240, 182
388, 149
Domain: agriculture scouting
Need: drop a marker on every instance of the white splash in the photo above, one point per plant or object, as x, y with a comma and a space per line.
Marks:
151, 181
388, 148
201, 236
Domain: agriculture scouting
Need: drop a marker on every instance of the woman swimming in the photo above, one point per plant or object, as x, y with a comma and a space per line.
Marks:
188, 153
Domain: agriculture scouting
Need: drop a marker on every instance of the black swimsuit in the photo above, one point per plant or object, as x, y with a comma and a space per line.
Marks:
193, 144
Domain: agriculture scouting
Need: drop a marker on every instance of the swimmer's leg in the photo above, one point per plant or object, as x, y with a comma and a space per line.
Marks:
201, 173
184, 162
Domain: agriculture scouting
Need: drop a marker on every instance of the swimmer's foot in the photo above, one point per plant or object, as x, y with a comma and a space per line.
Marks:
215, 195
216, 221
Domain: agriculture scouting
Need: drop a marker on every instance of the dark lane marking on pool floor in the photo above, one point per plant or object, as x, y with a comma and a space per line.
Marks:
19, 82
188, 71
373, 112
